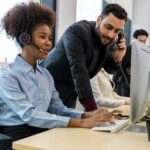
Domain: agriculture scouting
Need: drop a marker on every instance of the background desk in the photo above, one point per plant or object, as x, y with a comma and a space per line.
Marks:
83, 139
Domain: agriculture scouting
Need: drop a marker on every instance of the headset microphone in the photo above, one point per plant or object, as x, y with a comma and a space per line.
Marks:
41, 50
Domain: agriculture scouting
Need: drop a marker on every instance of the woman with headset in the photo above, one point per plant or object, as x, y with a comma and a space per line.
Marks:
29, 102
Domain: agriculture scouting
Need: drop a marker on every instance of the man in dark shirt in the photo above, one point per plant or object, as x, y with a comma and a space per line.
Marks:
122, 79
82, 51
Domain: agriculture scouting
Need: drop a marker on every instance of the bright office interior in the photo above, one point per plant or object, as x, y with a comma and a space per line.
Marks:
68, 12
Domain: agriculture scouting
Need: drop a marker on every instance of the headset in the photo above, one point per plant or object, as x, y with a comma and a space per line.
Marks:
25, 38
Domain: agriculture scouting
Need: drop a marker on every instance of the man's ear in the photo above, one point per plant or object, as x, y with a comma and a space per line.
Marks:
98, 20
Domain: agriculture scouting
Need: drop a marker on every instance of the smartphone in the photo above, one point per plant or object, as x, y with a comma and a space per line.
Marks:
116, 44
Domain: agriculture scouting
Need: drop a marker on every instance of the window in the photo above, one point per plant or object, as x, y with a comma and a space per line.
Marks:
88, 10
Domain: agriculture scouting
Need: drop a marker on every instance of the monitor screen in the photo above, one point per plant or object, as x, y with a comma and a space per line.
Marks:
140, 80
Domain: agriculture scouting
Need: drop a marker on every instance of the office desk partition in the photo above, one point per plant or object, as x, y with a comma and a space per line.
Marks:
83, 139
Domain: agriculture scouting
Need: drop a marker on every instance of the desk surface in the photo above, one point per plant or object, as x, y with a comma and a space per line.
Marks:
83, 139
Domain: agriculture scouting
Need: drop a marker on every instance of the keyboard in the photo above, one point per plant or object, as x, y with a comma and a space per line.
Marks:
113, 128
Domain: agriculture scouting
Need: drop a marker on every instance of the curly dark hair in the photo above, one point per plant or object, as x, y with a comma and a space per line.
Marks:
24, 17
140, 32
116, 10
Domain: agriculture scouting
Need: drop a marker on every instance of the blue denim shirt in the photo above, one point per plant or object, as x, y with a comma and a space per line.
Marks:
28, 96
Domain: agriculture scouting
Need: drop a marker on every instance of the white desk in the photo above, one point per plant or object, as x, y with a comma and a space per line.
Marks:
83, 139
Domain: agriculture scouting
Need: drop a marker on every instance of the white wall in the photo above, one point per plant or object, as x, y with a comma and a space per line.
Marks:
127, 4
85, 7
65, 16
38, 1
141, 15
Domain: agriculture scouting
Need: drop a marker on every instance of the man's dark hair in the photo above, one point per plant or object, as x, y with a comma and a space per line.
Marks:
116, 10
140, 32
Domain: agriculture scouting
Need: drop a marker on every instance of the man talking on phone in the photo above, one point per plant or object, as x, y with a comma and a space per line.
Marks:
122, 79
84, 48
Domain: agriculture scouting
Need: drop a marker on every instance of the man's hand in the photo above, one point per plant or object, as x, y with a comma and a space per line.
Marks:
119, 54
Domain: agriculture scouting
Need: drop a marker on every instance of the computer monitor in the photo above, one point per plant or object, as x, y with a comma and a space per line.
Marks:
140, 80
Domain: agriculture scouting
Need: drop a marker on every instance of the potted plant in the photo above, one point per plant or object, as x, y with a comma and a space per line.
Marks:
148, 118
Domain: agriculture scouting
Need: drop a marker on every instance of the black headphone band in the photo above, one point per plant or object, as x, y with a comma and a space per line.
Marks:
25, 37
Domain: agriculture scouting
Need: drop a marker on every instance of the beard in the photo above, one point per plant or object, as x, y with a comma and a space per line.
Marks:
104, 39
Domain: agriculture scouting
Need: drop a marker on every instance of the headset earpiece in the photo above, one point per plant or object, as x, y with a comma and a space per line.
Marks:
24, 38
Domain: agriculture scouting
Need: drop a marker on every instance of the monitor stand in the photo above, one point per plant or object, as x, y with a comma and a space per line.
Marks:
136, 128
